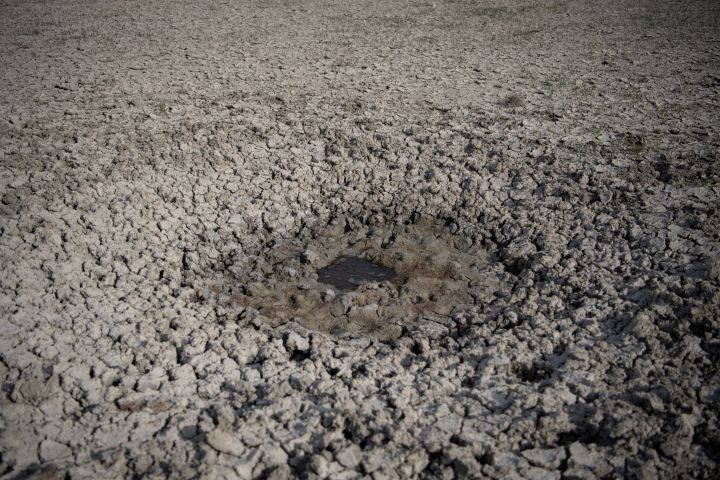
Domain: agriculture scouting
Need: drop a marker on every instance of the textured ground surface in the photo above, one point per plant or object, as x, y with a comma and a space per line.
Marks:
545, 174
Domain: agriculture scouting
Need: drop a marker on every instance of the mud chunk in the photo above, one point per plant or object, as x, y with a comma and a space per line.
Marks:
349, 457
546, 458
294, 342
50, 450
225, 442
310, 257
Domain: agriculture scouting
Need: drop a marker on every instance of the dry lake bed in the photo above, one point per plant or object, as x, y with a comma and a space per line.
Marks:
368, 239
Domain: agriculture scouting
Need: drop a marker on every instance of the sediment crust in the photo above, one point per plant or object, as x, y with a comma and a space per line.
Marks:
547, 170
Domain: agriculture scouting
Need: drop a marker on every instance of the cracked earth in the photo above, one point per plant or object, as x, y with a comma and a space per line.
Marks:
542, 175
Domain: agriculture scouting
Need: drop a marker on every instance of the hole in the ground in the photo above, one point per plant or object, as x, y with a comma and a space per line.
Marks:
349, 272
366, 280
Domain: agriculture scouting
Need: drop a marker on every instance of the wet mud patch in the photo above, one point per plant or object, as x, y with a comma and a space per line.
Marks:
348, 273
366, 281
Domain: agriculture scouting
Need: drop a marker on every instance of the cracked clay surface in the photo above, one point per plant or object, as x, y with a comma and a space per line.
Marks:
542, 176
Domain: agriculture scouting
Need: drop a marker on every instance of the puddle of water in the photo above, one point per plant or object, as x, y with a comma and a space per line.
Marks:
348, 273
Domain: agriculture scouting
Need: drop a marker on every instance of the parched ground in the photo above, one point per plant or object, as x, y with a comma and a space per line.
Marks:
543, 174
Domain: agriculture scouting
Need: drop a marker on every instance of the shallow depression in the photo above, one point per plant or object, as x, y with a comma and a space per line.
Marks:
367, 280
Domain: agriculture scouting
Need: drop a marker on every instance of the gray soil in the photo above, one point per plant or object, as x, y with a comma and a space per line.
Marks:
541, 176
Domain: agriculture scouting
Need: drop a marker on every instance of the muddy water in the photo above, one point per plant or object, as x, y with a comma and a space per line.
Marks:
349, 272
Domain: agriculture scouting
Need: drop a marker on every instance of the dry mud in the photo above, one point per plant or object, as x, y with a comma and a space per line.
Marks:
543, 176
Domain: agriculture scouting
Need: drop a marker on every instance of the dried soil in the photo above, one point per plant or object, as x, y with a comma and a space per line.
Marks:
543, 176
